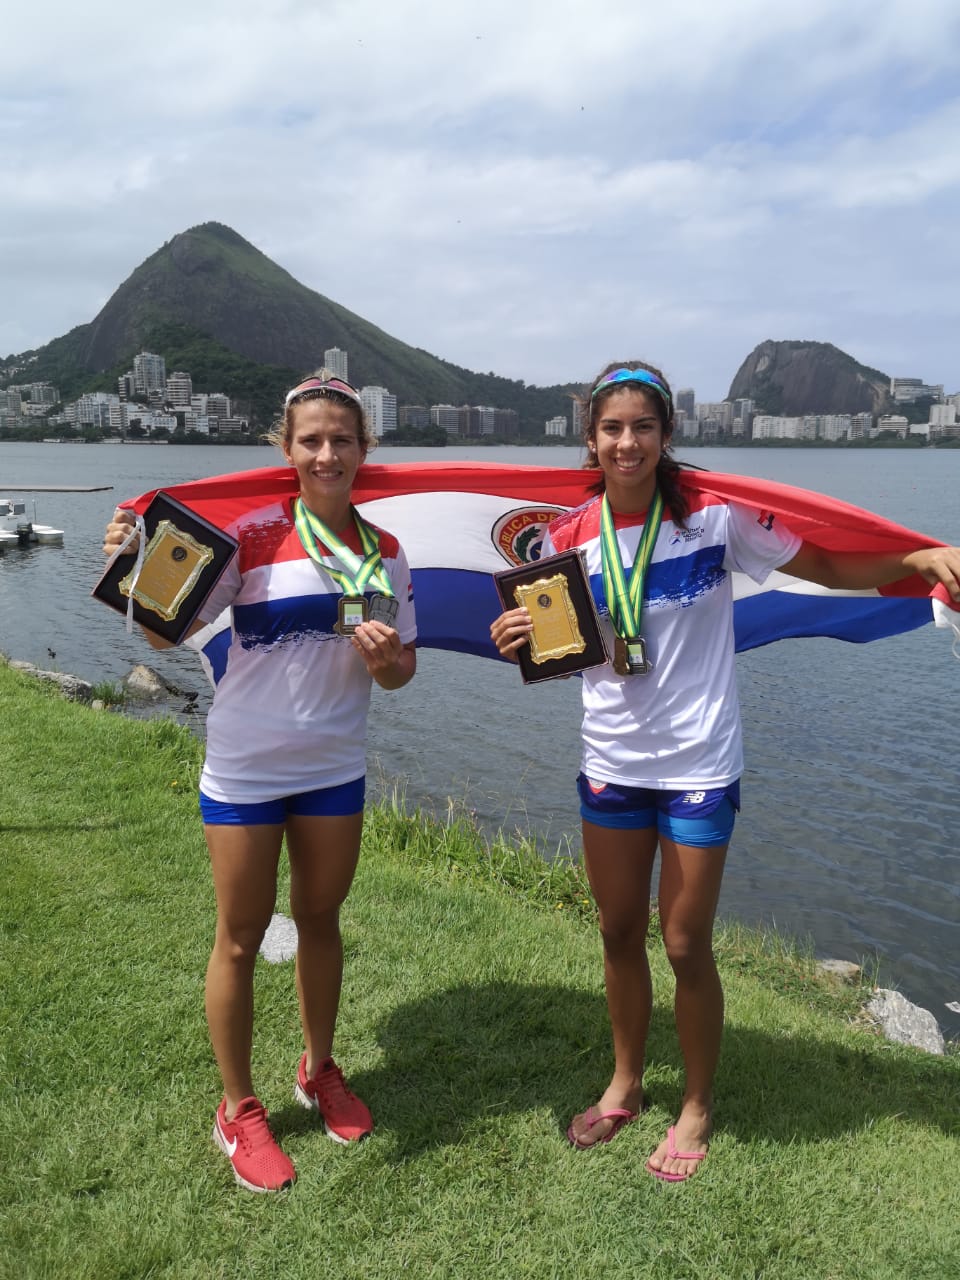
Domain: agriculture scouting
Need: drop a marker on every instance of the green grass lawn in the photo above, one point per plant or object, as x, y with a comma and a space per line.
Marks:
473, 1023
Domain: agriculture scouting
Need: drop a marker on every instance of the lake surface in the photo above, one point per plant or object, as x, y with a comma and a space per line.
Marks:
848, 832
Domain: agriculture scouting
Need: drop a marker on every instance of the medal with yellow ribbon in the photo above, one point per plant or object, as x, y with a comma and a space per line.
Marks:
356, 573
625, 599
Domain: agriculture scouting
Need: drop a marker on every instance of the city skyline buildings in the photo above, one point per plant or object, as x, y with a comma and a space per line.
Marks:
146, 396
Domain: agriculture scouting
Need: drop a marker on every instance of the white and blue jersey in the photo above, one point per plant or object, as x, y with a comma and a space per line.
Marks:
290, 709
679, 726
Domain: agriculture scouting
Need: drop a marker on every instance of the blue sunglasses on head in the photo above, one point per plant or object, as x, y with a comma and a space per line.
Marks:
633, 375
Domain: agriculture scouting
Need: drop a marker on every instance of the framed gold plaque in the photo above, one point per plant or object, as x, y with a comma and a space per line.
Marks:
172, 565
556, 630
184, 558
566, 635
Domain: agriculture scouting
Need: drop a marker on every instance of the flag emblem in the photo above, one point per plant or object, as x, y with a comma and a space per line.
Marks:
518, 535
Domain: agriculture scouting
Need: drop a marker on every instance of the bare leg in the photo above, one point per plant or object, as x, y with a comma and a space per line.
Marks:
689, 888
619, 865
244, 863
323, 858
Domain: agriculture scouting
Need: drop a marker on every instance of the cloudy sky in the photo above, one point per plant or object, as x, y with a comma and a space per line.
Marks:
521, 186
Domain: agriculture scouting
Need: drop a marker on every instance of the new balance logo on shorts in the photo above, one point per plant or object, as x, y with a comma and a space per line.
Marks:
694, 797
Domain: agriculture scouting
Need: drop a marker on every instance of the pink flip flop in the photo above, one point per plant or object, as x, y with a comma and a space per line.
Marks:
618, 1115
674, 1154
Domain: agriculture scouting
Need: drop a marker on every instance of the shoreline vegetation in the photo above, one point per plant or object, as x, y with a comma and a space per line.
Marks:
473, 1022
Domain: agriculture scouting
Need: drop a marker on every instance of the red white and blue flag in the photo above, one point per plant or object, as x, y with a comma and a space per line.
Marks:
460, 522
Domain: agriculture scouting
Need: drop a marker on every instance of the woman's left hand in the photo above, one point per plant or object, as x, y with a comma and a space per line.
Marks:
937, 565
383, 654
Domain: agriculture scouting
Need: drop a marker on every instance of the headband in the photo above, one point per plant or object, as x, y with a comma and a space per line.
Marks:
634, 375
326, 386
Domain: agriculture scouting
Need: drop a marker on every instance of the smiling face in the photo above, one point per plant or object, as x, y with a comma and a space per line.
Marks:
325, 447
627, 438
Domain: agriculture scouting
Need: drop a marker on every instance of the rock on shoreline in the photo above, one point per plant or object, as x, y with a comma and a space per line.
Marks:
904, 1022
71, 687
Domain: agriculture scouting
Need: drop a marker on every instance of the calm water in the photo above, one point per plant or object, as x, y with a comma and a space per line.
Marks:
848, 830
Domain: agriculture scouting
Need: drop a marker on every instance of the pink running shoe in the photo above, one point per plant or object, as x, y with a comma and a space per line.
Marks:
345, 1117
246, 1141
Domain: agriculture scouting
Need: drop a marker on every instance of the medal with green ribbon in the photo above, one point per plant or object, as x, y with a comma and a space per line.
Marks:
625, 599
356, 572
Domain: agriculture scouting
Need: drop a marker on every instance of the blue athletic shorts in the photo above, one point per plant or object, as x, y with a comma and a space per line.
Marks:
699, 818
324, 803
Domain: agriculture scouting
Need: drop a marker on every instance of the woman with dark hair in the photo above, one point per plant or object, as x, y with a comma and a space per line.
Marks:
322, 607
662, 754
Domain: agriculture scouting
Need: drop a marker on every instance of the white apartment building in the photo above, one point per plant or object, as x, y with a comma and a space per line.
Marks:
895, 422
743, 408
194, 421
149, 373
767, 426
92, 410
336, 361
555, 426
909, 390
833, 426
719, 411
179, 389
861, 426
36, 392
686, 425
483, 420
218, 406
446, 416
213, 405
157, 421
943, 415
119, 417
380, 409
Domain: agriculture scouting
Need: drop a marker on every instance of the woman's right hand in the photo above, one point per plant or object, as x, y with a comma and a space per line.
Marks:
117, 532
510, 631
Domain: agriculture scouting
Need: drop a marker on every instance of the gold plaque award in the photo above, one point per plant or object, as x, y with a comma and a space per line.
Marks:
556, 633
184, 556
566, 636
172, 565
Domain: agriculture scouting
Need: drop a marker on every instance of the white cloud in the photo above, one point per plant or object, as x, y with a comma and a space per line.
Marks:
524, 188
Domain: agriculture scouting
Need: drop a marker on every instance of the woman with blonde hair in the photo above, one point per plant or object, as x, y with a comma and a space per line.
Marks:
322, 607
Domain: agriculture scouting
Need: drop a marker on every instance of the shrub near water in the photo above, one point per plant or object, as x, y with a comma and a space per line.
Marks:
473, 1022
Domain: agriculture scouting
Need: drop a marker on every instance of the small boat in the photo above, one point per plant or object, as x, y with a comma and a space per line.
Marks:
48, 535
17, 530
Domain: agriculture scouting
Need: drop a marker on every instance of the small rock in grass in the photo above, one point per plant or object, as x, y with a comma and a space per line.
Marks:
280, 941
842, 970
